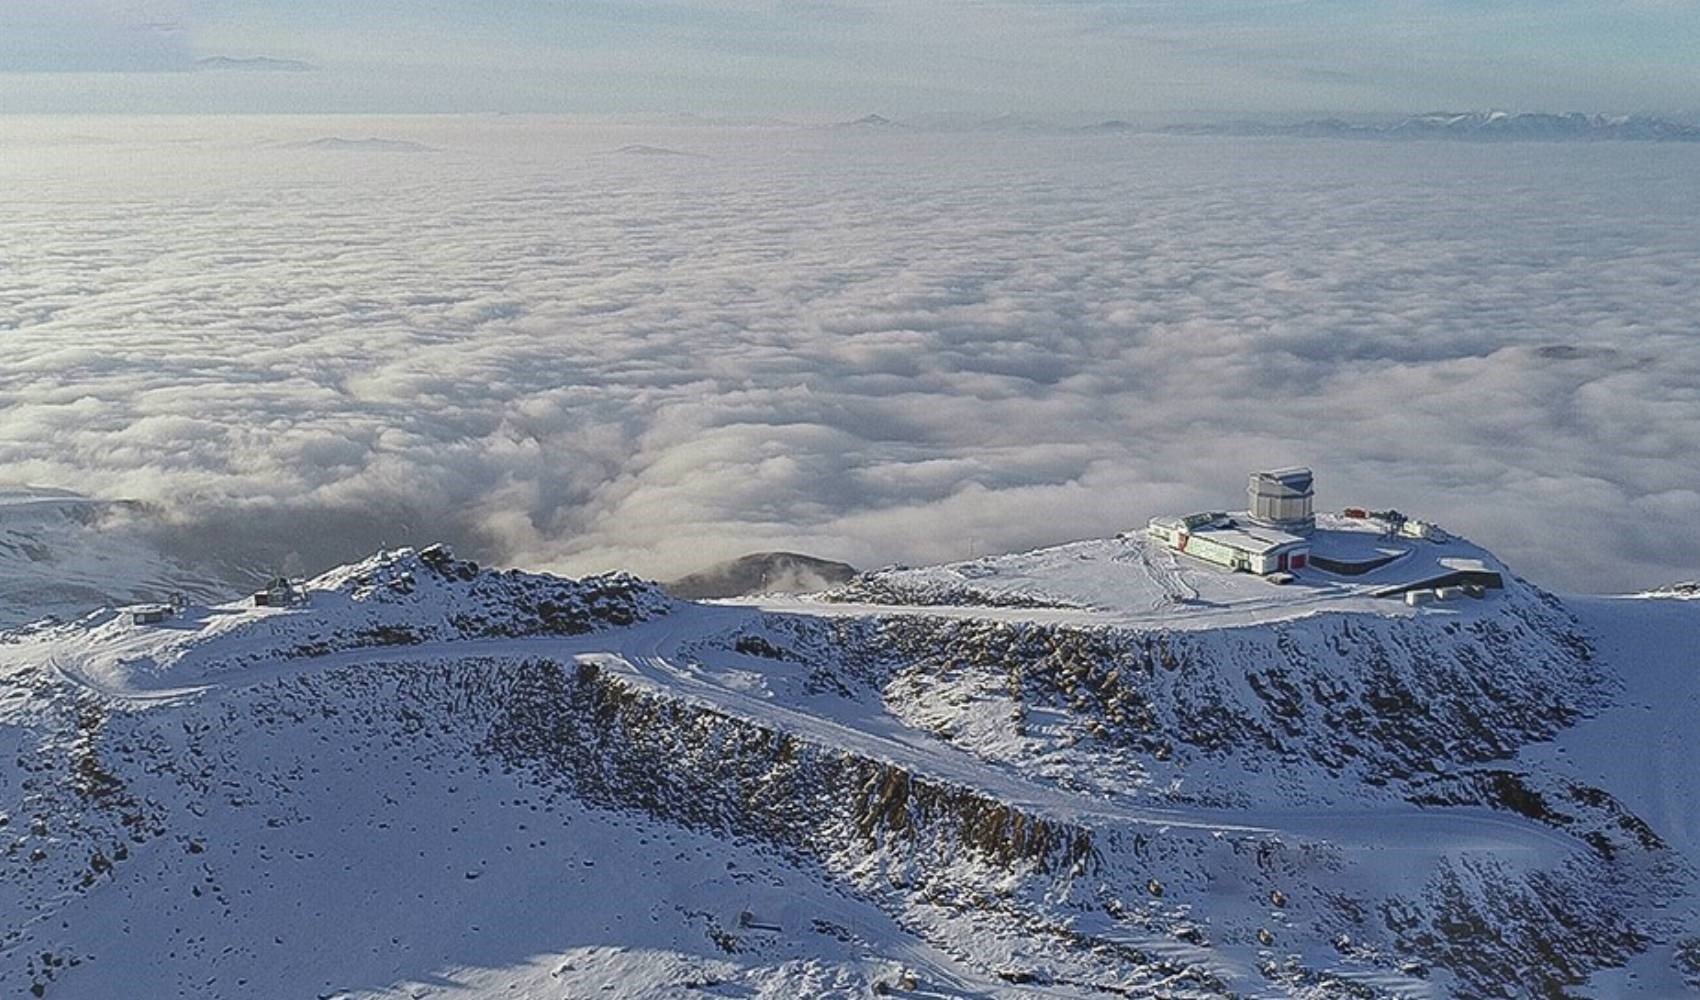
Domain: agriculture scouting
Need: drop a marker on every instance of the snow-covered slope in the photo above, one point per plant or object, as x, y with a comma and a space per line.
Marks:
431, 779
1644, 746
63, 554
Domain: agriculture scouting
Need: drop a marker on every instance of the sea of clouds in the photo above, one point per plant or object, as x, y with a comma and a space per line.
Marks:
555, 345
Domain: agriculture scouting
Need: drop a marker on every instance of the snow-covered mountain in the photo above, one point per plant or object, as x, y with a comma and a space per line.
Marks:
1687, 590
65, 554
762, 573
1470, 125
1095, 770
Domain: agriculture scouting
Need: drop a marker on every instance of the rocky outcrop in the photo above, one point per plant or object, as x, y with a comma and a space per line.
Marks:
1388, 700
403, 598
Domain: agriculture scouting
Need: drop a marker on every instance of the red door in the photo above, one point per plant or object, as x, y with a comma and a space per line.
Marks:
1281, 563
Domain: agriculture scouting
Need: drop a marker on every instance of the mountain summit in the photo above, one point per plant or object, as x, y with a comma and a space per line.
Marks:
1106, 768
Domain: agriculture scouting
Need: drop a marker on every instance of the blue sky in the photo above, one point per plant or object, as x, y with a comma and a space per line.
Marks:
830, 57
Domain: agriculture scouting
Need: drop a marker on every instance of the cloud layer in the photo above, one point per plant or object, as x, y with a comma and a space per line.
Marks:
872, 347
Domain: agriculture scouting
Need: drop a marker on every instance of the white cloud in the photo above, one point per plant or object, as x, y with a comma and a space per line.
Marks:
873, 347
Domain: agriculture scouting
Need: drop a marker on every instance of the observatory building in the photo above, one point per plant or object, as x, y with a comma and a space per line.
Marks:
1277, 536
1281, 499
1271, 537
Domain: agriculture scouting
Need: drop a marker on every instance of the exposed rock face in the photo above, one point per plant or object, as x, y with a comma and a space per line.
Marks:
1686, 590
406, 598
1388, 700
886, 588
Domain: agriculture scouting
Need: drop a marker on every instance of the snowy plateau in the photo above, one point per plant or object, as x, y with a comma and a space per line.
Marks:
1097, 770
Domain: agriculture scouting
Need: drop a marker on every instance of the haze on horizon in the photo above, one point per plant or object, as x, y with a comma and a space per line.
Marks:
836, 58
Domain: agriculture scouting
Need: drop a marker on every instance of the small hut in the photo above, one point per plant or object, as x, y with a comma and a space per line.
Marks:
280, 592
148, 614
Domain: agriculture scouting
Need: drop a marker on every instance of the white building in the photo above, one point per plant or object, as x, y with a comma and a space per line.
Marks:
1232, 543
1269, 537
1413, 528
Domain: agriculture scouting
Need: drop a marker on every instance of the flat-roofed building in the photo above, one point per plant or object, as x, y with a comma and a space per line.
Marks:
148, 614
1232, 544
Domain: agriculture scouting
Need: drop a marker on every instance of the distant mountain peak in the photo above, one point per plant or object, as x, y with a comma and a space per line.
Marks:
871, 121
639, 149
253, 64
762, 573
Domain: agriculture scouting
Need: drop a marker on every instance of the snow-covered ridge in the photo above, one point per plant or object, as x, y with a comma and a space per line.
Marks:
437, 597
1182, 786
1383, 698
1687, 590
399, 598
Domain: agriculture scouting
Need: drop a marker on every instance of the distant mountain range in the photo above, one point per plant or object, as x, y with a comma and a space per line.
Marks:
63, 555
252, 64
1469, 125
1458, 125
869, 121
368, 145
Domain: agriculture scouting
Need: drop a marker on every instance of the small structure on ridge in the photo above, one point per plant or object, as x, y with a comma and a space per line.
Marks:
280, 592
148, 614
